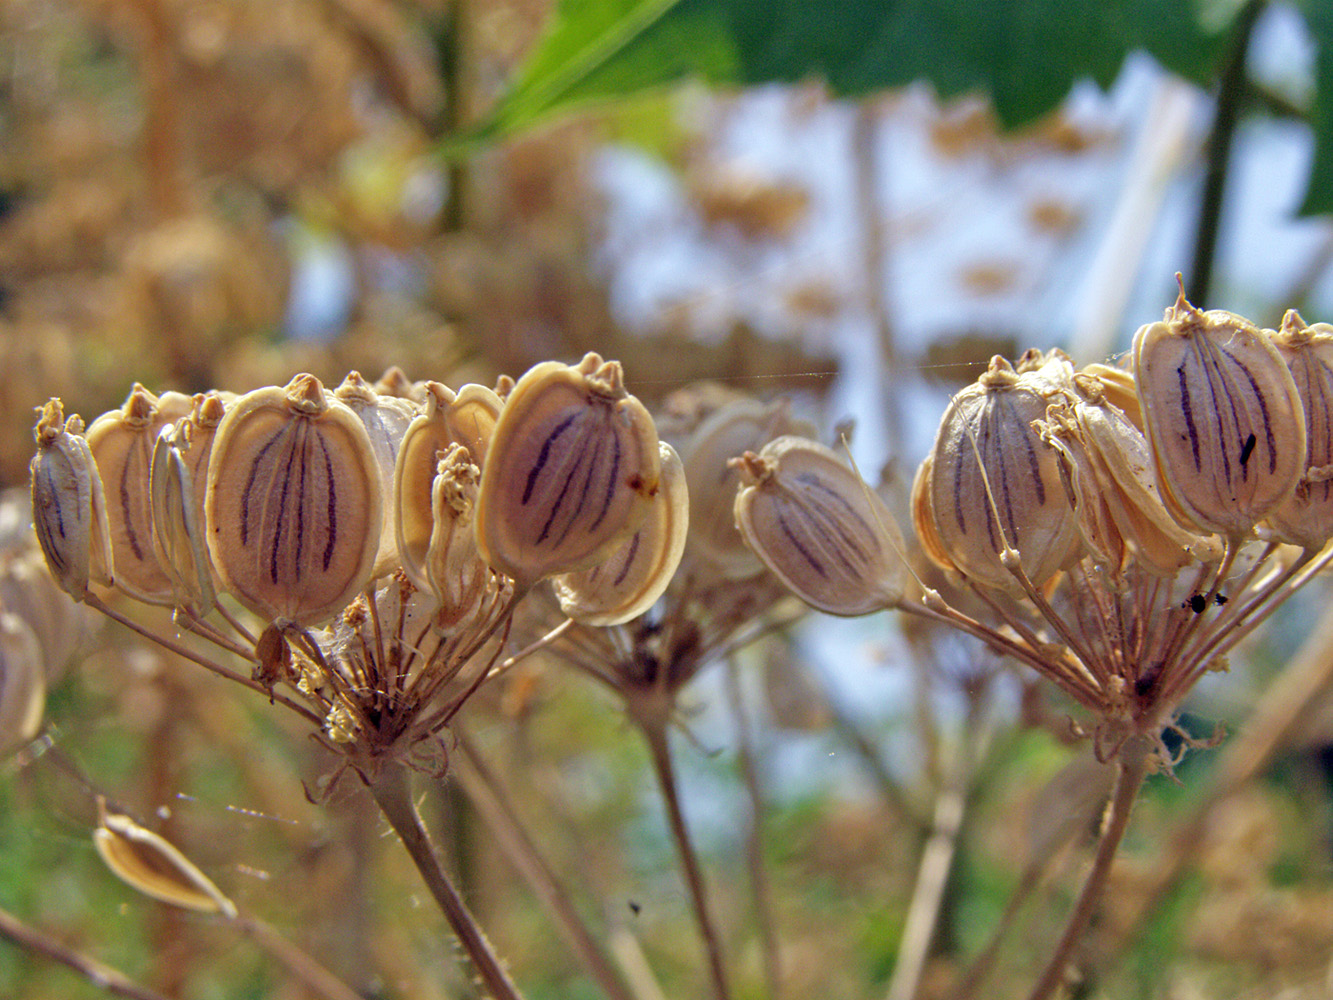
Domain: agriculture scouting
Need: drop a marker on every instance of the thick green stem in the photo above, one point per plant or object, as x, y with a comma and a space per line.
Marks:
393, 794
1131, 768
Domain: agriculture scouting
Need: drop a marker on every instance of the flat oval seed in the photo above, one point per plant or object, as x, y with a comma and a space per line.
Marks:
22, 684
1306, 517
122, 445
154, 866
178, 524
571, 471
820, 528
637, 573
424, 443
68, 507
472, 417
1223, 418
294, 506
1013, 498
386, 419
737, 427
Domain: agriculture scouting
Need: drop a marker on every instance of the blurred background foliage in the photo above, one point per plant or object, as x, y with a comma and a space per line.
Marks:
220, 193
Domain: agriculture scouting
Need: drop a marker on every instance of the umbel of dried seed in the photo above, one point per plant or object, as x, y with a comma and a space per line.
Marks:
570, 474
68, 507
820, 528
631, 579
294, 506
1221, 412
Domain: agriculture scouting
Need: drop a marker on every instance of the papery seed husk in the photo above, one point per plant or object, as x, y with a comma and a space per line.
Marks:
386, 419
1098, 530
1117, 385
455, 572
178, 528
152, 865
68, 505
637, 573
1127, 481
122, 445
819, 528
1306, 517
22, 684
740, 426
1222, 416
294, 506
472, 417
424, 443
993, 419
571, 471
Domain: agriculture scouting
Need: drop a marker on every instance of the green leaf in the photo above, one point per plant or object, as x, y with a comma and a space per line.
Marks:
1319, 188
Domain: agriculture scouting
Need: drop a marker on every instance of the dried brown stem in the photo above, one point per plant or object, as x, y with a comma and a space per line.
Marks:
654, 728
486, 793
114, 982
1131, 768
392, 792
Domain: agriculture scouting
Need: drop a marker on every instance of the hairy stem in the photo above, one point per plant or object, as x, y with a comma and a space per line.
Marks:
1131, 768
392, 792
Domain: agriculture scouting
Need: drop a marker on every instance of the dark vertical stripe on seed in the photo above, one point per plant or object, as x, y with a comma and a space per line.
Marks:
332, 504
55, 502
544, 454
249, 485
560, 498
1263, 410
583, 493
612, 481
629, 560
812, 482
279, 527
1248, 448
130, 535
1188, 410
815, 564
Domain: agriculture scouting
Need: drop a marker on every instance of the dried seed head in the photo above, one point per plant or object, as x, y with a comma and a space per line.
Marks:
1223, 418
994, 485
22, 683
637, 573
154, 866
740, 426
1306, 517
294, 505
820, 528
454, 570
386, 419
68, 508
572, 468
122, 445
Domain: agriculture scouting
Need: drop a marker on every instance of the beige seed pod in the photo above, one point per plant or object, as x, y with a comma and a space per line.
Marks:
1306, 517
1013, 498
636, 573
472, 417
386, 419
1117, 386
571, 471
1222, 416
178, 515
395, 383
737, 427
68, 507
424, 443
294, 507
122, 445
454, 570
22, 684
820, 529
1100, 535
154, 866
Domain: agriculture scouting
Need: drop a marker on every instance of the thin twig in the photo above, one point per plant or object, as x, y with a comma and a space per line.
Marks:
763, 901
105, 977
393, 795
653, 727
486, 794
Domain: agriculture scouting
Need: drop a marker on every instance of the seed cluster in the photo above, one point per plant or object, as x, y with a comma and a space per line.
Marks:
382, 534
